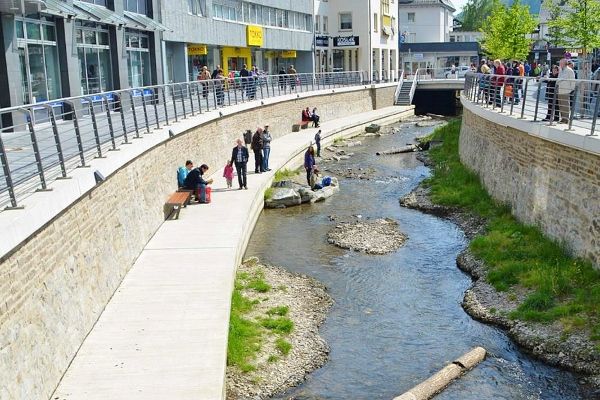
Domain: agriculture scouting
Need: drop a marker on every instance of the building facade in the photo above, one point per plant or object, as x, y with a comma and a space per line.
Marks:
269, 34
347, 41
54, 48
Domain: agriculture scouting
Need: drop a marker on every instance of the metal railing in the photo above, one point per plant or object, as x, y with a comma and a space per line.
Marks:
44, 141
568, 104
400, 82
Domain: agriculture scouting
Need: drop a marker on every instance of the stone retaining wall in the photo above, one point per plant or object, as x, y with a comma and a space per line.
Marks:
547, 184
54, 286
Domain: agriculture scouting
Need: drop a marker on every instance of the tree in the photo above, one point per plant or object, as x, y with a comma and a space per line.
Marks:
556, 33
474, 14
578, 21
506, 31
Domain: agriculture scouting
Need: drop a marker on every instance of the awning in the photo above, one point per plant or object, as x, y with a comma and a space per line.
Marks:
388, 31
60, 8
148, 23
22, 7
104, 16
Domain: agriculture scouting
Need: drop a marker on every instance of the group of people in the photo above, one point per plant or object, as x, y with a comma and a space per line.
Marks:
308, 116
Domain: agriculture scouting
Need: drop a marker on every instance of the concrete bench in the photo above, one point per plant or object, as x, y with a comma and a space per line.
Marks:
300, 125
176, 202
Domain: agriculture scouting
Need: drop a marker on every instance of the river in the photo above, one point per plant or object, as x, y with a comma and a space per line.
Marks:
397, 318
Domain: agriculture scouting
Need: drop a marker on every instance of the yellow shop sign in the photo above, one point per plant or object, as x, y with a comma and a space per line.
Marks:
288, 54
255, 35
197, 49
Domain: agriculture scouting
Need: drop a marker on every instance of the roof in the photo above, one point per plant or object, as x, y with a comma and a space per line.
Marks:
443, 3
439, 47
147, 23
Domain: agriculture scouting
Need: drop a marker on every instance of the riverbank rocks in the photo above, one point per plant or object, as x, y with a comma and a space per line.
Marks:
373, 128
289, 193
307, 302
379, 236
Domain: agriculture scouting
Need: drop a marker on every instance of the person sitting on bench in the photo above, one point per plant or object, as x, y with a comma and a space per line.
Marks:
196, 182
183, 172
306, 115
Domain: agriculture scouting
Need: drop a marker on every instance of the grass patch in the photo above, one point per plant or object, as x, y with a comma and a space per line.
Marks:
562, 288
281, 325
283, 346
281, 311
268, 193
338, 140
272, 359
285, 174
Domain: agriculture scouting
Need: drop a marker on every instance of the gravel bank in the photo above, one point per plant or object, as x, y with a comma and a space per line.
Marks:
548, 342
308, 304
379, 236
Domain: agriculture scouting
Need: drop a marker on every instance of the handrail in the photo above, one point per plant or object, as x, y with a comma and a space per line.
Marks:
573, 107
413, 87
45, 141
400, 82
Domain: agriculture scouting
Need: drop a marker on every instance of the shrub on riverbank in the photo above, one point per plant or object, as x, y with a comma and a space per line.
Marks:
560, 287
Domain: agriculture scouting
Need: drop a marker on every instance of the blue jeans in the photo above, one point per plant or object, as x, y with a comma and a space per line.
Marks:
265, 160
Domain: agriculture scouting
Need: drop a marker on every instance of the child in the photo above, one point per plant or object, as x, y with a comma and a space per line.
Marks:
228, 173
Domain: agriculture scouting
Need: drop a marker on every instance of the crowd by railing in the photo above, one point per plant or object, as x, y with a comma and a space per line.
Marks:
44, 141
570, 104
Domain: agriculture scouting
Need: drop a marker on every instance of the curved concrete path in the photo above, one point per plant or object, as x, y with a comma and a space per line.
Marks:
163, 335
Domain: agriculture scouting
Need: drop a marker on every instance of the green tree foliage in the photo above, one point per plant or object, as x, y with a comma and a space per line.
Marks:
506, 31
475, 13
556, 33
578, 21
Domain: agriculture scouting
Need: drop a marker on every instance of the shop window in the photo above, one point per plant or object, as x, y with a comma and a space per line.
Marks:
411, 17
93, 51
325, 24
317, 23
136, 6
138, 59
385, 7
38, 59
345, 21
375, 22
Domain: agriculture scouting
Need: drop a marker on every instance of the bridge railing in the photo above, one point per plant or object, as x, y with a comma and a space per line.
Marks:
399, 86
568, 104
45, 141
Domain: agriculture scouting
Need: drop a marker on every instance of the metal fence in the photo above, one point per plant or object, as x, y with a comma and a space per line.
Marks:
569, 104
45, 141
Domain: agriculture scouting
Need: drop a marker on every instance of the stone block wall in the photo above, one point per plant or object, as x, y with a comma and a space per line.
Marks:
55, 285
547, 184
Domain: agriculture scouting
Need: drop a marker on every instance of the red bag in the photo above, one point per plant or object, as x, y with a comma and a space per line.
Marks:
207, 194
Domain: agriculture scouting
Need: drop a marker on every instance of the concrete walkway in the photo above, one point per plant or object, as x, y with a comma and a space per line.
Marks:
163, 335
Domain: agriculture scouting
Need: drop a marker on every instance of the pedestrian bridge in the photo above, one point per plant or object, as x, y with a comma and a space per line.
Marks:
426, 79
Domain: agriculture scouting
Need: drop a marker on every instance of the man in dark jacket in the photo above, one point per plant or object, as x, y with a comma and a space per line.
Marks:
239, 157
244, 74
257, 146
196, 182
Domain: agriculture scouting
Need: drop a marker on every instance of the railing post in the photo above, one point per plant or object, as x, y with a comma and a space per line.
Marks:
95, 127
259, 80
172, 88
182, 100
135, 122
122, 112
524, 99
7, 176
164, 97
199, 95
155, 104
596, 110
145, 111
59, 152
110, 124
512, 101
537, 102
189, 87
214, 92
36, 149
572, 109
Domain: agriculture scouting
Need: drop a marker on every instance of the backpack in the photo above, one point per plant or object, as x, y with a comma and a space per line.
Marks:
326, 181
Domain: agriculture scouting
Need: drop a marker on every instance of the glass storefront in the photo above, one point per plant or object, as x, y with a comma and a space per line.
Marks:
38, 58
137, 45
93, 52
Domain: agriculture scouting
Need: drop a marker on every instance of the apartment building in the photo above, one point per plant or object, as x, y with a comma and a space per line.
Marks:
61, 48
269, 34
355, 35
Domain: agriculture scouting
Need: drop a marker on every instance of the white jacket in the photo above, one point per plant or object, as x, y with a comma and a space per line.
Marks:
566, 87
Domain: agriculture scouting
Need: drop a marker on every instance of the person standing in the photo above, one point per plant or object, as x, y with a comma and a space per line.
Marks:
309, 163
257, 146
219, 86
292, 77
498, 81
239, 157
244, 74
566, 84
318, 142
282, 78
205, 77
552, 113
266, 138
215, 72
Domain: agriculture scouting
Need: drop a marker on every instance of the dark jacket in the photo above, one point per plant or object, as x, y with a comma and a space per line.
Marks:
194, 179
257, 142
309, 160
234, 154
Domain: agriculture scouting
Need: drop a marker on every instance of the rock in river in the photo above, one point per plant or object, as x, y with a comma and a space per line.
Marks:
379, 236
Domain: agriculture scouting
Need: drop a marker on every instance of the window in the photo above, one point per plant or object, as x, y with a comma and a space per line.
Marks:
325, 24
38, 59
138, 58
317, 23
197, 7
98, 2
136, 6
411, 17
375, 22
93, 51
345, 21
385, 7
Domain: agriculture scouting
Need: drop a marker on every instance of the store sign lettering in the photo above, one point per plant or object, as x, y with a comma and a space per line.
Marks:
345, 41
288, 54
255, 35
197, 50
322, 41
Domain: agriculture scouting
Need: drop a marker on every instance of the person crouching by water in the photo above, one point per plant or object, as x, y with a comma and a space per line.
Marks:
309, 163
195, 181
239, 157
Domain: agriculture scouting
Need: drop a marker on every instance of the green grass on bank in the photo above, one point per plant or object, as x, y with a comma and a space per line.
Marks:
247, 334
285, 174
562, 288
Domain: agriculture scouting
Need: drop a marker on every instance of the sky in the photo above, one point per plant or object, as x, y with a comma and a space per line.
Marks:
458, 4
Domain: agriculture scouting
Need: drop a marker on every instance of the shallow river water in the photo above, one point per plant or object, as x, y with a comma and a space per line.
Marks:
397, 318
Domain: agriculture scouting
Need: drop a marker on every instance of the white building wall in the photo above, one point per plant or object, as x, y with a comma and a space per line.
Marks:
429, 24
